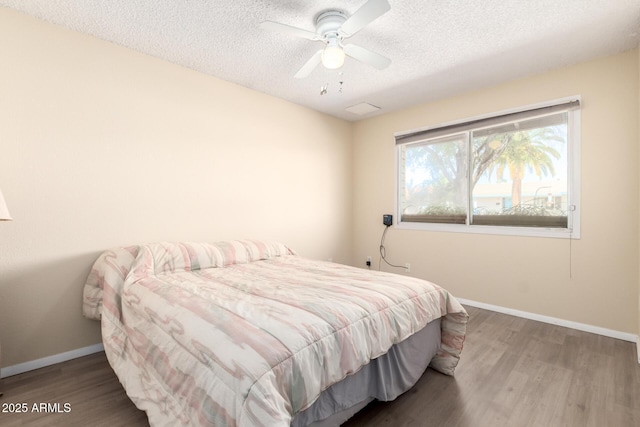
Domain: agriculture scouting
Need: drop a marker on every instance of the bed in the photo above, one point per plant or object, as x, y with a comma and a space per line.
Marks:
247, 333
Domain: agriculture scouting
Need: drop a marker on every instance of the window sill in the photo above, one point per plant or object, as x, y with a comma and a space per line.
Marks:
558, 233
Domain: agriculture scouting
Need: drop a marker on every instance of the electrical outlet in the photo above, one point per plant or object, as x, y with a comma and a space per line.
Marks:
407, 268
387, 220
368, 261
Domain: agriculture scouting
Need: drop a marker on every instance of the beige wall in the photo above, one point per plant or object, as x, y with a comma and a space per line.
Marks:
593, 280
101, 146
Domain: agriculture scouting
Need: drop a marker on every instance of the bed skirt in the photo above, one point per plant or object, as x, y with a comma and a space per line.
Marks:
384, 378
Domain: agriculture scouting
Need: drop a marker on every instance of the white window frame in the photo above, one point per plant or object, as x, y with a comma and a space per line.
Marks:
573, 169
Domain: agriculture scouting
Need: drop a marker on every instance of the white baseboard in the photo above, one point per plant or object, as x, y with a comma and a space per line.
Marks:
554, 321
50, 360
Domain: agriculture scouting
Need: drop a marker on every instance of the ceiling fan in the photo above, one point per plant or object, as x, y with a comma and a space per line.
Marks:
332, 28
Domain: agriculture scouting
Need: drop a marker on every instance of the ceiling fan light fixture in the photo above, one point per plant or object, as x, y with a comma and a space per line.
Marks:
333, 26
333, 55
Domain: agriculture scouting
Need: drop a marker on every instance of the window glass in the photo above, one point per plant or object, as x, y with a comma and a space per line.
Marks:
520, 173
435, 180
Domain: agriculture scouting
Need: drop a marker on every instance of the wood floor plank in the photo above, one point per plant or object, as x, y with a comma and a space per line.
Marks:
513, 372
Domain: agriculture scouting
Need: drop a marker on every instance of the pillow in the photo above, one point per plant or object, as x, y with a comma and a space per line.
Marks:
108, 274
112, 267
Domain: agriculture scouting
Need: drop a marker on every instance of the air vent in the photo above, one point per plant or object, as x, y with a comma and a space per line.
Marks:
362, 109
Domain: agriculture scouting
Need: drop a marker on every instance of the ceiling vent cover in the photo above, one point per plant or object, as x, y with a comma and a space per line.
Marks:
362, 108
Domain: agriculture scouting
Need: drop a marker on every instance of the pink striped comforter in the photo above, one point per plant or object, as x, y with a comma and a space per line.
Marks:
246, 333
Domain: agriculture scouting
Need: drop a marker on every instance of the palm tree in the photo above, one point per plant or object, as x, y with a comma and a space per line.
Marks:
522, 151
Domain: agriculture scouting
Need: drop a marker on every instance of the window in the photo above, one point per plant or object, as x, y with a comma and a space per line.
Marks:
511, 173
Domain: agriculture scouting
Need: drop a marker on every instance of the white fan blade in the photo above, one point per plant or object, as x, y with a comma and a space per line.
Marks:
283, 28
369, 12
310, 65
367, 56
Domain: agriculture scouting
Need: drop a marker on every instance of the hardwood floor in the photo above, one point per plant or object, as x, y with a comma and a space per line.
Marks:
513, 372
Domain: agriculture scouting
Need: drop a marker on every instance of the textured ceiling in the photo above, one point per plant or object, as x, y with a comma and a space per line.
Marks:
438, 48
